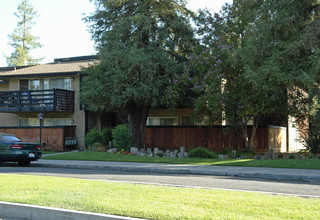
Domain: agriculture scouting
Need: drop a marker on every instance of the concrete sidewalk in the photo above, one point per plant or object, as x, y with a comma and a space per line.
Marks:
249, 172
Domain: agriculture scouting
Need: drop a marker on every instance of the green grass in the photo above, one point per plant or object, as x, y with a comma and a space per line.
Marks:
47, 152
102, 156
152, 202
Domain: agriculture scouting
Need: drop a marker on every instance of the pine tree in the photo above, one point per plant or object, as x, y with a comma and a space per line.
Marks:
141, 45
22, 40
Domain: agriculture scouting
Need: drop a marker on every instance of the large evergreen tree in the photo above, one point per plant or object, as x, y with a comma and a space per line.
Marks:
22, 40
141, 44
256, 58
216, 73
281, 51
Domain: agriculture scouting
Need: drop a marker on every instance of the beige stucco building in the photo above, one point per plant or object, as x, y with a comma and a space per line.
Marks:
51, 89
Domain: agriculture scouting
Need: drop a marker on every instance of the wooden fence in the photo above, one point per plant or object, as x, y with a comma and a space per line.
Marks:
52, 137
217, 138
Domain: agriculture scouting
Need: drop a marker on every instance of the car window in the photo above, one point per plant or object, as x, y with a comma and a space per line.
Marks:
10, 138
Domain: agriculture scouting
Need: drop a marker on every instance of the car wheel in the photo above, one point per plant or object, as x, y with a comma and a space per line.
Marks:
24, 163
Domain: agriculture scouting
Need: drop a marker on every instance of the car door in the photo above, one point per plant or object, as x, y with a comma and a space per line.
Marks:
4, 150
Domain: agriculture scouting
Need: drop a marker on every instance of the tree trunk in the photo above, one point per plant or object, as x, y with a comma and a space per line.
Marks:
254, 130
137, 118
245, 135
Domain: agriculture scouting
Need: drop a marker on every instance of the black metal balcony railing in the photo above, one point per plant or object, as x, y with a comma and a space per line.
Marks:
37, 100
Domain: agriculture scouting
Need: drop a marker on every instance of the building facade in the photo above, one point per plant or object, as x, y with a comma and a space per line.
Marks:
54, 90
51, 89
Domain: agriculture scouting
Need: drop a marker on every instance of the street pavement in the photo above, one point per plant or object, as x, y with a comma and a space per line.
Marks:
248, 172
35, 212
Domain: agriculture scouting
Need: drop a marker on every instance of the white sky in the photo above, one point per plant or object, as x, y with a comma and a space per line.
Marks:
60, 27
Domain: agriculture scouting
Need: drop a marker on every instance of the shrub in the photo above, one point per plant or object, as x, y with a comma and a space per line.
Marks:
92, 137
313, 139
106, 136
280, 155
201, 152
122, 137
98, 147
312, 133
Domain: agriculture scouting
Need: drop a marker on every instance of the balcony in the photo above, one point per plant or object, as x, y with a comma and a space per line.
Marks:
37, 100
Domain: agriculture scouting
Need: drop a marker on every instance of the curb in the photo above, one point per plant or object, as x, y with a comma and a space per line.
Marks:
33, 212
197, 171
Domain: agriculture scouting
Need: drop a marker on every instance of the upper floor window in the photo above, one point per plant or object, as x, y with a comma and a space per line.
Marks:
168, 121
64, 83
46, 122
29, 84
45, 84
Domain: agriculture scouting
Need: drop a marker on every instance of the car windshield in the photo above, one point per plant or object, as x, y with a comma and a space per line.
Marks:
11, 138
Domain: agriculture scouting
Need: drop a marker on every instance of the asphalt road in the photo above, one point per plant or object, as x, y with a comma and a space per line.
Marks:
299, 188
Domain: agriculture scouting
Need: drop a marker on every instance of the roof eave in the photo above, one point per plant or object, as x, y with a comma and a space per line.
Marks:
32, 75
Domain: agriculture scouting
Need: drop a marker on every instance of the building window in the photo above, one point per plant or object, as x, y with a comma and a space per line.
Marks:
165, 121
61, 83
46, 84
34, 84
24, 84
187, 121
29, 84
25, 122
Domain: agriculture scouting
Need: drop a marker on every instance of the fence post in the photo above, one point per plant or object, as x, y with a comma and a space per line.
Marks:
271, 154
182, 150
156, 151
234, 154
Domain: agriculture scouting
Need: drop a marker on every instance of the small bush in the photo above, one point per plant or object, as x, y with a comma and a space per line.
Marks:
122, 139
292, 156
280, 155
248, 155
201, 152
92, 137
98, 147
313, 139
106, 136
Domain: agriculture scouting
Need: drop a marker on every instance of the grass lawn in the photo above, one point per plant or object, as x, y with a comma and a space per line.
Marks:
152, 202
47, 152
102, 156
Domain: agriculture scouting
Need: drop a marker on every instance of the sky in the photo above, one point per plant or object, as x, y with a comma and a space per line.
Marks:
60, 27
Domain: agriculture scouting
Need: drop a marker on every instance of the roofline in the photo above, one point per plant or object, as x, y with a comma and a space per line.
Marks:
39, 74
11, 68
72, 59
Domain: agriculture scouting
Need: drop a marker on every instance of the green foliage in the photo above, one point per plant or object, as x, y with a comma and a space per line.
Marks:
106, 136
92, 137
216, 74
122, 138
22, 40
98, 147
201, 152
139, 48
141, 44
313, 138
256, 58
311, 134
281, 50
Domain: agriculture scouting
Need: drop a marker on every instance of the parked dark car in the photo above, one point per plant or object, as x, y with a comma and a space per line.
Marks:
14, 150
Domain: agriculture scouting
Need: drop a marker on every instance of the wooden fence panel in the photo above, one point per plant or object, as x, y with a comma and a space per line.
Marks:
278, 139
217, 138
52, 137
